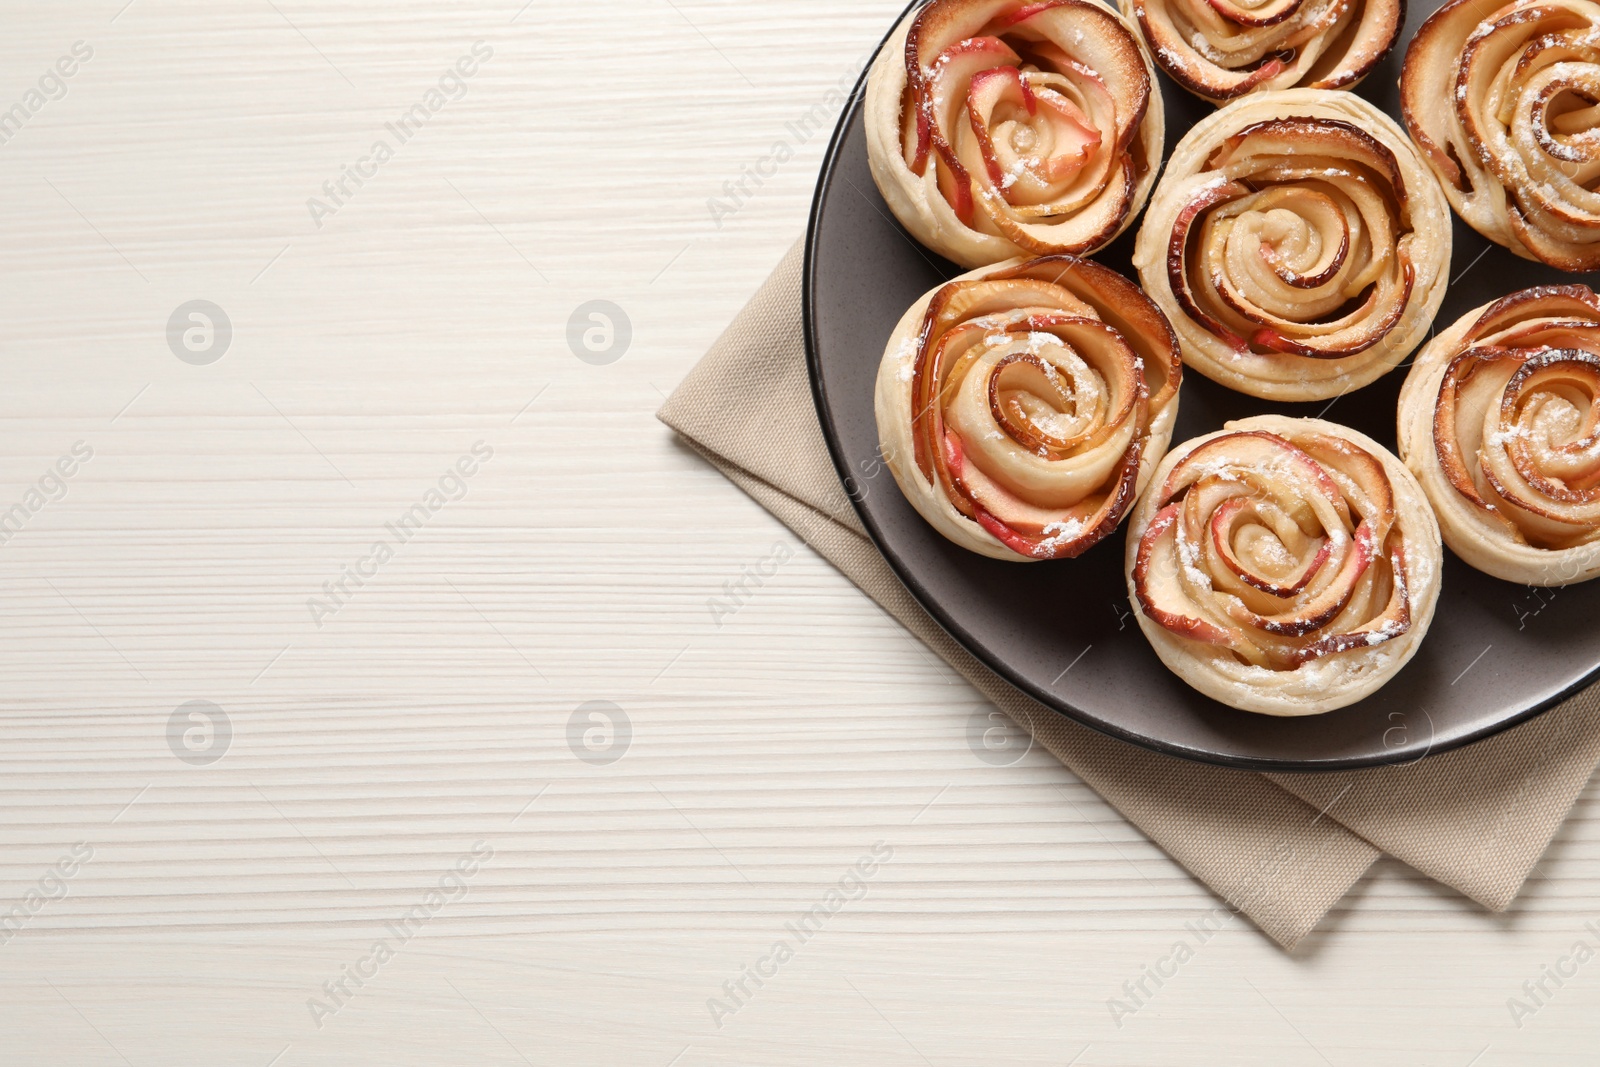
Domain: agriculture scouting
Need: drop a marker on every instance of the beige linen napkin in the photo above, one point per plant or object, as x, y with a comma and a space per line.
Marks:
1281, 849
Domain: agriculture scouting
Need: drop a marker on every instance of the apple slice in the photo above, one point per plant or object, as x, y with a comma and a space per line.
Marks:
1076, 139
1160, 594
1039, 534
990, 89
1224, 522
1392, 623
1446, 433
1257, 451
1026, 12
1577, 302
1361, 478
946, 91
1122, 305
1567, 376
1268, 14
1204, 199
1173, 48
1324, 607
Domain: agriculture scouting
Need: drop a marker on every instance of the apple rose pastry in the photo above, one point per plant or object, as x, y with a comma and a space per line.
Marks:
1022, 407
1504, 101
1500, 421
1284, 566
1003, 128
1221, 49
1298, 244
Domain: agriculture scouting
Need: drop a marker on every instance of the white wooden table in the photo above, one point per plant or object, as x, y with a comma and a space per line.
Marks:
209, 883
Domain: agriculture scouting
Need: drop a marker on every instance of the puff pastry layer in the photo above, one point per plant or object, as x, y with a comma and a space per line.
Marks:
1298, 243
1284, 566
1221, 49
1504, 101
1003, 128
1500, 422
1023, 407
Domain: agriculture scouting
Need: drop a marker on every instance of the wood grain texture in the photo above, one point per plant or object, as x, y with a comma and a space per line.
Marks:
770, 748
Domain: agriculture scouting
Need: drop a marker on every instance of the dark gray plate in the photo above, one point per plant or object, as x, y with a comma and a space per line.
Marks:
1063, 632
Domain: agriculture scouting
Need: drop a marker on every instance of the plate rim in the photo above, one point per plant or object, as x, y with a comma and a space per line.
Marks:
931, 604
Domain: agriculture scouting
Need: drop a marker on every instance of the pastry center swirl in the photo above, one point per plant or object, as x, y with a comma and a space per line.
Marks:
1033, 395
1027, 117
1515, 136
1298, 242
1223, 49
1281, 552
1517, 420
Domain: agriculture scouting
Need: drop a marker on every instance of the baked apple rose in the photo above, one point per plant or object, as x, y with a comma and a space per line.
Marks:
1298, 243
1221, 49
1500, 421
1022, 407
1003, 128
1504, 101
1284, 566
